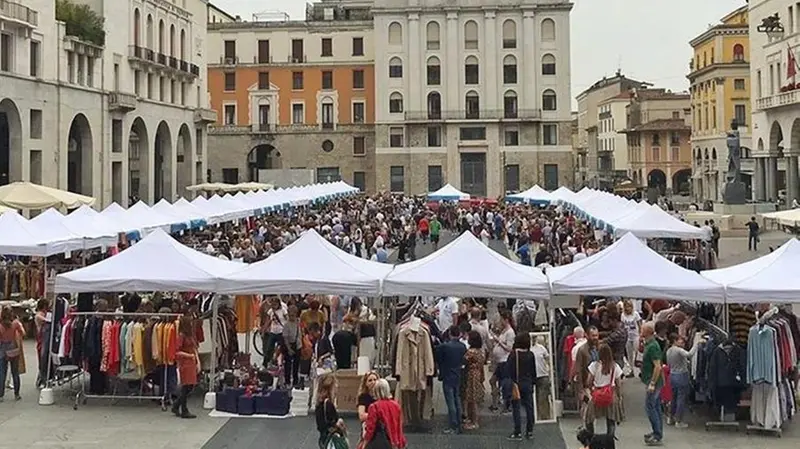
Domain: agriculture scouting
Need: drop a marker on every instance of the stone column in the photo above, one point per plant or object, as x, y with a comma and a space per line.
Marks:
791, 180
415, 55
759, 183
772, 179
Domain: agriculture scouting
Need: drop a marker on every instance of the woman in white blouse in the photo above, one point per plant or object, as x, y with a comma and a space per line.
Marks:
602, 373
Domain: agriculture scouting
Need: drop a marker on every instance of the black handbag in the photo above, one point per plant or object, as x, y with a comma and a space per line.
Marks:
380, 439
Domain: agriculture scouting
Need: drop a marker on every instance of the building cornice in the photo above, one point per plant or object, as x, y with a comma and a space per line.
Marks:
720, 30
500, 8
718, 66
293, 25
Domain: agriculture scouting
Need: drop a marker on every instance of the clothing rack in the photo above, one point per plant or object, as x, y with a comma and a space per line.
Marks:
82, 396
761, 321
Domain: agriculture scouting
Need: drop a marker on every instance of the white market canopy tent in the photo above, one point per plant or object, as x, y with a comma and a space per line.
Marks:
85, 235
535, 194
466, 267
157, 263
310, 264
26, 195
448, 193
20, 237
790, 217
654, 222
630, 269
770, 278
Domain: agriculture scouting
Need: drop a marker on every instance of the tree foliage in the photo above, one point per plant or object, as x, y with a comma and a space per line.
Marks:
82, 22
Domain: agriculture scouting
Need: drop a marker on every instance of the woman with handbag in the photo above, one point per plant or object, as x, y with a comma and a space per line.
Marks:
384, 426
11, 333
521, 366
331, 428
604, 399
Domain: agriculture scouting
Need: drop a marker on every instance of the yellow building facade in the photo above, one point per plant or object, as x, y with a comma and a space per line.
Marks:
719, 77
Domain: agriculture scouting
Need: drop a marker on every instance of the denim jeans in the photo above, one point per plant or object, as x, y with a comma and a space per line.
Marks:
652, 407
752, 243
452, 398
270, 342
680, 393
5, 363
525, 400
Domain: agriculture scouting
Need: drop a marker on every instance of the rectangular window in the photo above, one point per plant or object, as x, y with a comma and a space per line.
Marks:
434, 136
511, 137
676, 154
358, 46
435, 178
327, 79
359, 146
263, 51
230, 51
263, 80
328, 174
434, 75
397, 178
230, 82
297, 80
230, 114
298, 114
116, 136
472, 133
298, 54
656, 154
359, 112
512, 178
137, 81
550, 176
471, 74
656, 141
396, 105
34, 62
510, 106
676, 115
230, 175
509, 74
739, 84
358, 79
549, 68
396, 137
758, 83
327, 47
395, 70
740, 114
360, 180
674, 139
327, 115
263, 117
550, 135
6, 48
36, 124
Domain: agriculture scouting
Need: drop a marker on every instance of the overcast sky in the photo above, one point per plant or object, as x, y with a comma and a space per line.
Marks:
647, 39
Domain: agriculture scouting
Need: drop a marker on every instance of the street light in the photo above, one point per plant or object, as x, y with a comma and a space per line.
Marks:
771, 26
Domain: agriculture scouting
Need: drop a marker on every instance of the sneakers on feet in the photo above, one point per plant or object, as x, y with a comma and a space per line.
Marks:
528, 435
188, 416
17, 398
653, 442
681, 425
515, 437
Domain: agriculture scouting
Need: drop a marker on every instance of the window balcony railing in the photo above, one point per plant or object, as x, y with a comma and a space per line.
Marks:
205, 116
19, 13
327, 125
173, 62
297, 59
122, 101
161, 58
139, 53
491, 114
229, 60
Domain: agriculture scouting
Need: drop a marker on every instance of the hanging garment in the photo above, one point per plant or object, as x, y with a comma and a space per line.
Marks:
765, 406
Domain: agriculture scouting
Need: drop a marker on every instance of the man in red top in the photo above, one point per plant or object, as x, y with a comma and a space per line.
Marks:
424, 229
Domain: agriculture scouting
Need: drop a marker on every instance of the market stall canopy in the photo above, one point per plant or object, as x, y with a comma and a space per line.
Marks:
535, 194
210, 187
654, 222
310, 264
93, 223
630, 269
789, 217
26, 195
157, 263
18, 237
563, 194
770, 278
448, 193
79, 236
466, 267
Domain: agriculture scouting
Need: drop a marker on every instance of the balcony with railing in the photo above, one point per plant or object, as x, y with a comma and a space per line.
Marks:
122, 101
206, 116
263, 128
492, 114
21, 14
148, 56
779, 100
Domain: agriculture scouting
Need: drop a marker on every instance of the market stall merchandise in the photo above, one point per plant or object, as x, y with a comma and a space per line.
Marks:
628, 268
310, 264
157, 263
466, 267
770, 278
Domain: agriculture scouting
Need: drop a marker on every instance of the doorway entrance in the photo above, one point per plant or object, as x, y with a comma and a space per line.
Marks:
473, 174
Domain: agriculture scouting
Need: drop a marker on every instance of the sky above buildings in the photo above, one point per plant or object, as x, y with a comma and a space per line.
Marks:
647, 39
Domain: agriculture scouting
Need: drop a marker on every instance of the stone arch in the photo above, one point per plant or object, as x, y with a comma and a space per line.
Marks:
548, 30
775, 137
80, 156
162, 163
395, 33
138, 162
713, 154
185, 160
434, 105
10, 142
261, 157
656, 178
681, 181
794, 135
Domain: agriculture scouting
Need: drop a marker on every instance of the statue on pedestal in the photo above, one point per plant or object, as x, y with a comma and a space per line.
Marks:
735, 191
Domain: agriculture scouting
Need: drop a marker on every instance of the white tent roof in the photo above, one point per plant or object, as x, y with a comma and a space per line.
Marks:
630, 269
448, 192
83, 236
653, 222
93, 223
309, 265
187, 210
157, 263
535, 193
114, 213
18, 237
167, 210
771, 278
790, 217
466, 267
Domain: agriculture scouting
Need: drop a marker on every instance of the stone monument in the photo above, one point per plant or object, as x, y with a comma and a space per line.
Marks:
735, 191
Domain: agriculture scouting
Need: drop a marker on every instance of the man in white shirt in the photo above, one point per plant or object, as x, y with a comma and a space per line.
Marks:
477, 325
503, 344
447, 311
580, 340
272, 320
541, 356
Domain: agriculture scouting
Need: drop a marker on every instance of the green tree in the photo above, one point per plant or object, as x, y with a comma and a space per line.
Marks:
82, 22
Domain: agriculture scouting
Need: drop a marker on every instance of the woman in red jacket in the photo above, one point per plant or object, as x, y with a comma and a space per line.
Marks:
188, 365
384, 426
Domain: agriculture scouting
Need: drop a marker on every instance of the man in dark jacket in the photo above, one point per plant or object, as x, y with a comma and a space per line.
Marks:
450, 358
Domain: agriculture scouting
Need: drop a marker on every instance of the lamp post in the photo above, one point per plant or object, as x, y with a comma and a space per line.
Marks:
771, 26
